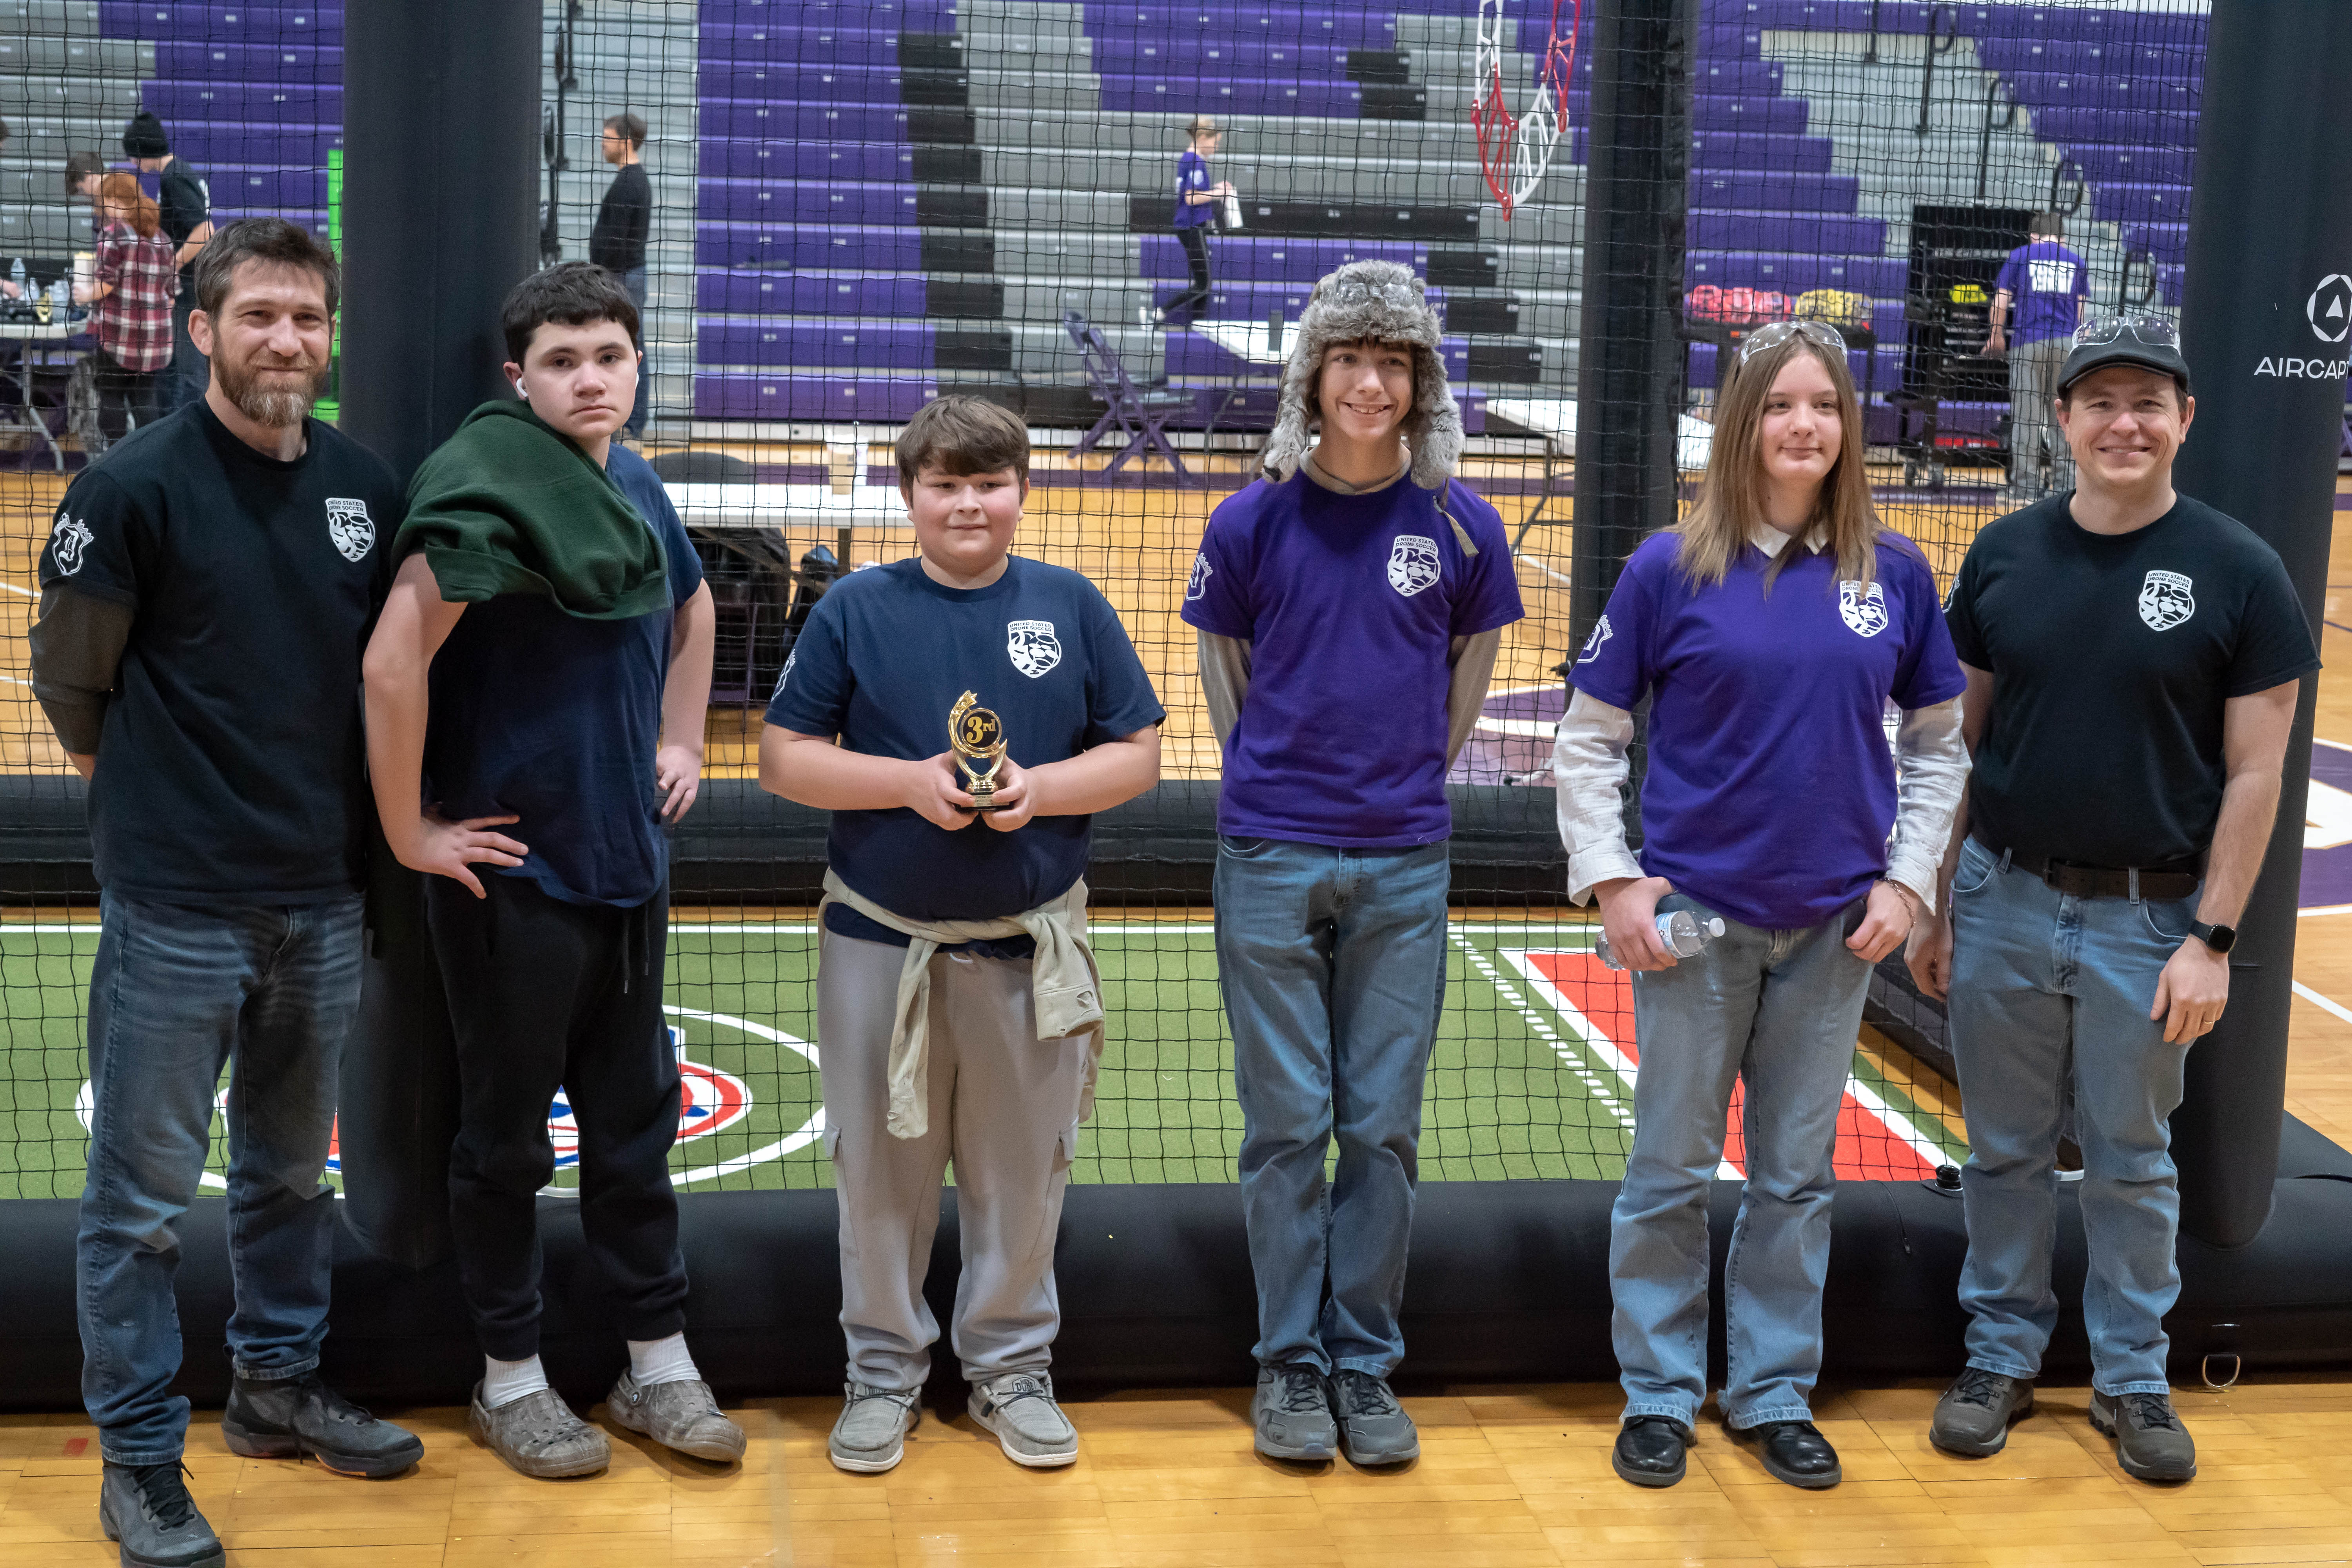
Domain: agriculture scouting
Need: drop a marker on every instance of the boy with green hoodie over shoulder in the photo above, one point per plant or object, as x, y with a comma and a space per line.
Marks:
536, 689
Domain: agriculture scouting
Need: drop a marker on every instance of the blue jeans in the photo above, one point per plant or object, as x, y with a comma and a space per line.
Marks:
633, 284
2048, 990
1333, 967
1779, 1009
190, 374
176, 993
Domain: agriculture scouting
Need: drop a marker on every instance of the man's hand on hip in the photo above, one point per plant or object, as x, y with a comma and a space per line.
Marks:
2191, 992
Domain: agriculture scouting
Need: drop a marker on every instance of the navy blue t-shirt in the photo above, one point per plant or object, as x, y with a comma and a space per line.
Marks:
884, 657
556, 719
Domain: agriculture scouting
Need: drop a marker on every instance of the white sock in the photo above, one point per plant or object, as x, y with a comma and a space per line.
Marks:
661, 1361
504, 1381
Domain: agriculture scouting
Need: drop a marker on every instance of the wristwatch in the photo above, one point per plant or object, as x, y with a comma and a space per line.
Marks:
2221, 938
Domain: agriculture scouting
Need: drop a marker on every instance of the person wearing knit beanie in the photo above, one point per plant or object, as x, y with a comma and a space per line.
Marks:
144, 138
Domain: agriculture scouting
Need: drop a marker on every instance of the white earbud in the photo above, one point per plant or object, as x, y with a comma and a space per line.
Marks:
521, 392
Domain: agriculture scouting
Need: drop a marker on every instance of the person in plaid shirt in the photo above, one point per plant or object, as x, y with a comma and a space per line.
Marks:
130, 292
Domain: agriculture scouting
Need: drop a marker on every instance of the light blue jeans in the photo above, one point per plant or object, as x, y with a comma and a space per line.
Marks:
176, 993
2048, 988
1333, 967
1779, 1009
633, 284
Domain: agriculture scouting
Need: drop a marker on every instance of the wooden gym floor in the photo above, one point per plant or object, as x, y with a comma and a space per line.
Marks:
1508, 1476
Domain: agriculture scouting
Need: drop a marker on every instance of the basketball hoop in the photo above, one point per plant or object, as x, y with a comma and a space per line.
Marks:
1515, 149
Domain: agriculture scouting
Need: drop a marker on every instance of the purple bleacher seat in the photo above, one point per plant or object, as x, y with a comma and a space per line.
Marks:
828, 46
2139, 94
809, 246
1343, 24
891, 16
2123, 201
2145, 165
2073, 24
1804, 234
1139, 53
1737, 79
1246, 301
2168, 242
1717, 40
1774, 191
1720, 112
886, 161
259, 103
1190, 354
879, 399
188, 60
832, 345
210, 146
1703, 357
1718, 149
315, 219
266, 188
1879, 277
1261, 259
2070, 124
805, 201
1231, 95
215, 22
2123, 56
725, 293
725, 117
791, 81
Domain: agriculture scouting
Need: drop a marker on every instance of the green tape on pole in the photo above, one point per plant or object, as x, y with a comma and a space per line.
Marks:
329, 407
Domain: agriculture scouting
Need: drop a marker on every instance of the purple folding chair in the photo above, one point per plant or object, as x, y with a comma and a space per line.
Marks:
1136, 413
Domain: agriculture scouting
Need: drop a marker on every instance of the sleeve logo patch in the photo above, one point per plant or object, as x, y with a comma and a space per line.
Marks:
349, 525
1413, 564
2165, 601
1199, 585
66, 542
1602, 633
784, 675
1033, 646
1863, 605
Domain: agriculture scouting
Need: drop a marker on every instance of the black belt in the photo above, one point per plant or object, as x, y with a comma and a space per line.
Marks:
2175, 880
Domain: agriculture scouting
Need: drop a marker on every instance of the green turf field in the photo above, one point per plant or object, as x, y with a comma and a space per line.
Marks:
1525, 1080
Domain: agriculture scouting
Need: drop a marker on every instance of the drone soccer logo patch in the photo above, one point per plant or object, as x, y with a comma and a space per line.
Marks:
2165, 601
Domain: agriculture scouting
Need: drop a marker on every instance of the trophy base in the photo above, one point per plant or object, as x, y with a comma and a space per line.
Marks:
981, 802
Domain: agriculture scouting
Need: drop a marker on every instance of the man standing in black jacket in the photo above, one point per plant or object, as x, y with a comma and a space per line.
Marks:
617, 243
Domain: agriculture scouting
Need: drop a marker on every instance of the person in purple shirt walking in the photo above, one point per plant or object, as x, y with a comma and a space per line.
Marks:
2047, 283
1196, 212
1770, 631
1349, 606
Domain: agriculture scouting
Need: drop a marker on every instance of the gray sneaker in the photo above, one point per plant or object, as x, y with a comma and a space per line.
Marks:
1292, 1413
2150, 1442
1374, 1428
1019, 1407
871, 1436
147, 1508
683, 1416
1973, 1417
538, 1436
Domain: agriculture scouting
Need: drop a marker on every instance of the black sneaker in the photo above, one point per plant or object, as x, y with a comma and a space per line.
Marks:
286, 1417
147, 1508
1374, 1428
2150, 1442
1973, 1417
1292, 1414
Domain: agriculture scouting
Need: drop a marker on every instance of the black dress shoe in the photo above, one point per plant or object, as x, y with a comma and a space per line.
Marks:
1797, 1453
1650, 1450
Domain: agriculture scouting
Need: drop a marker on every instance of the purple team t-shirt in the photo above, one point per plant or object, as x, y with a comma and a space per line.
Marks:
1193, 174
1772, 788
1351, 604
2046, 283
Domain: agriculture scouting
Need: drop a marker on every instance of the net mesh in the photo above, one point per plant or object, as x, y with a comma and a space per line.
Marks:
858, 205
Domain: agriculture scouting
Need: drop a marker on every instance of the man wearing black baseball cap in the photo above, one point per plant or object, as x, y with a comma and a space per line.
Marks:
187, 202
2132, 657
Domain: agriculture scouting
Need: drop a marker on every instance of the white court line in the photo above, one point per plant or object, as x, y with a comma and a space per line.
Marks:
28, 593
1559, 577
1594, 1040
2316, 1000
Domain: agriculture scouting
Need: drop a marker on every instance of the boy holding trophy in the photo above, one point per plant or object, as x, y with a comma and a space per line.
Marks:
956, 1000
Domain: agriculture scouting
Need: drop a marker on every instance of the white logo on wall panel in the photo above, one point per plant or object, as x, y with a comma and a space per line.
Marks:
1413, 564
349, 525
1863, 605
2165, 601
1601, 634
1200, 582
69, 539
1033, 646
2329, 308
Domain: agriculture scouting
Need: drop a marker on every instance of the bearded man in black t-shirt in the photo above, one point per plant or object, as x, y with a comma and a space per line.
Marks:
2132, 659
205, 595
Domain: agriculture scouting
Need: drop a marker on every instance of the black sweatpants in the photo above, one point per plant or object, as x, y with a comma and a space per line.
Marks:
545, 993
1192, 300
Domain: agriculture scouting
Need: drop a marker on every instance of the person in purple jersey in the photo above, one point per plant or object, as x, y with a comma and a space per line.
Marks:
2047, 283
1196, 212
1769, 630
1349, 606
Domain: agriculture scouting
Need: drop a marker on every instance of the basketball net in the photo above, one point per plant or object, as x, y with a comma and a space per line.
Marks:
1514, 150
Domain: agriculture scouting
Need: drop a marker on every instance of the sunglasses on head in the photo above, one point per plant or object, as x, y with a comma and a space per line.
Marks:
1780, 332
2152, 331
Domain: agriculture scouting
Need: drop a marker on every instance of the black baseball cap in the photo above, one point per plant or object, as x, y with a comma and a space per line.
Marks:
2147, 340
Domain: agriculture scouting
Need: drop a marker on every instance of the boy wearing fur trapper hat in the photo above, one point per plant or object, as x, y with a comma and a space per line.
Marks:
1349, 606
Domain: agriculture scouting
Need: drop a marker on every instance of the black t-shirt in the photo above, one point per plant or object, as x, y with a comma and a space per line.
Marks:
617, 242
185, 202
556, 719
231, 768
2110, 657
884, 657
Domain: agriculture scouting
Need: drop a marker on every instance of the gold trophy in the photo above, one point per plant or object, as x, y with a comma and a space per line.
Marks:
976, 735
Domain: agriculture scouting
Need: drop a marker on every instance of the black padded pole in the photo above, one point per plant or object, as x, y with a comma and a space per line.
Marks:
440, 210
1629, 375
2265, 327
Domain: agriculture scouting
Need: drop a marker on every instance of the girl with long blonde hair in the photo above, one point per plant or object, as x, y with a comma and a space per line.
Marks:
1768, 631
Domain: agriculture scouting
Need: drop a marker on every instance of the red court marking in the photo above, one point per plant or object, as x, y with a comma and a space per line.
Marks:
74, 1446
1605, 997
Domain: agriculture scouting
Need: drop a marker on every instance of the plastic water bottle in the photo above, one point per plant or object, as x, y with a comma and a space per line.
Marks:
1684, 934
61, 295
17, 276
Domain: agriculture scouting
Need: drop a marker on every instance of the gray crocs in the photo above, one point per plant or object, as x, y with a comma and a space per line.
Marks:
538, 1436
683, 1416
1019, 1407
871, 1434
